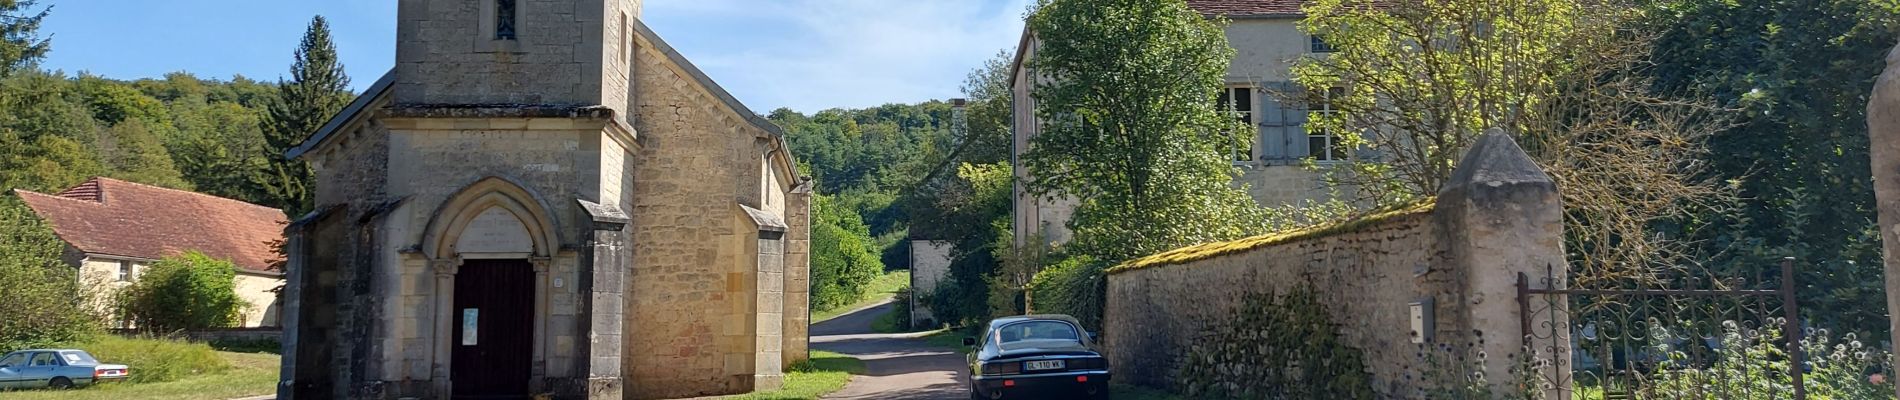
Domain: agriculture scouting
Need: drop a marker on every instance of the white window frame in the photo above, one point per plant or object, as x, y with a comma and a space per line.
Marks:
1318, 45
126, 271
1250, 116
1330, 150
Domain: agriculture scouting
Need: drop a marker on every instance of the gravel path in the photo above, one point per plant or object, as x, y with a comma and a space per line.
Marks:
896, 366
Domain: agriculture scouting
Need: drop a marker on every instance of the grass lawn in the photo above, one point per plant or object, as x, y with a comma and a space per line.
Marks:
952, 338
251, 374
825, 373
880, 289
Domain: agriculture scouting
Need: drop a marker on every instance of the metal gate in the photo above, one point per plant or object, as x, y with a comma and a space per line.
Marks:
1644, 343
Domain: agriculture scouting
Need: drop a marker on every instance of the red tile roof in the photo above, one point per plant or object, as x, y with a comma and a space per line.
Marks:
1247, 8
118, 218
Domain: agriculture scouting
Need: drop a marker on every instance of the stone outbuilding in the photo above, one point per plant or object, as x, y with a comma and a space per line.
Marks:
543, 197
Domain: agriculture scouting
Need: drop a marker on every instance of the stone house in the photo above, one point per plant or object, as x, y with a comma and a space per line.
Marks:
543, 197
115, 229
1267, 42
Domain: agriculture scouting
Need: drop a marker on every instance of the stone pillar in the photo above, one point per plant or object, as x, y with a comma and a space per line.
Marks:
295, 266
797, 297
542, 342
1501, 216
1883, 130
445, 270
605, 263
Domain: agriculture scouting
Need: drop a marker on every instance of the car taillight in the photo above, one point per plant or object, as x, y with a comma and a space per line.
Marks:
1088, 363
1003, 368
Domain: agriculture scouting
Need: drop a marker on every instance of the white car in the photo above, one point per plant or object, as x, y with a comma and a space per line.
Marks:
56, 368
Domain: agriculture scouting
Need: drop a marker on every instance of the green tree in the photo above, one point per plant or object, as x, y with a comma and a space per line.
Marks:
187, 291
1798, 72
841, 259
1131, 128
47, 163
1417, 82
317, 90
42, 305
972, 213
990, 111
20, 44
132, 152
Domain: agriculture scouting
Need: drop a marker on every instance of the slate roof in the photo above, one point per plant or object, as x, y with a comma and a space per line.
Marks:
1248, 8
118, 218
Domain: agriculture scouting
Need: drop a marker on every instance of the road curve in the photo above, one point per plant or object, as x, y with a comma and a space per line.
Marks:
896, 366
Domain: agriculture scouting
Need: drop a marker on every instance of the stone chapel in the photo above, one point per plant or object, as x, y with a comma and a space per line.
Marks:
543, 198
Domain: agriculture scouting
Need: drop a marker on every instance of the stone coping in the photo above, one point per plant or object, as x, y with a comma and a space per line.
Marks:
1210, 250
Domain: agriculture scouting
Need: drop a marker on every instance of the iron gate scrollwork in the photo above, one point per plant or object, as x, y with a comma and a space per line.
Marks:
1642, 343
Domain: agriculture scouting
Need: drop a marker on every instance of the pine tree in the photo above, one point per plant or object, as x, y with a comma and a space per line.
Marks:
317, 89
20, 44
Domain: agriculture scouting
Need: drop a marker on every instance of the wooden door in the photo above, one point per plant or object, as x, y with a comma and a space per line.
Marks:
494, 336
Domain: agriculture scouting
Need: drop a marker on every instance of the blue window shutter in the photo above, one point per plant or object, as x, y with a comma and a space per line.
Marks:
1296, 111
1272, 125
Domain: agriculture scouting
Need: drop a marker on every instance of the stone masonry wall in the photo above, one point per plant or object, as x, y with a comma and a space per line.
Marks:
797, 324
687, 333
1366, 276
563, 53
929, 264
1497, 217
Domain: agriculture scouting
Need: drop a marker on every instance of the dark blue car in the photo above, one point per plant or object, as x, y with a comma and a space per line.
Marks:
1036, 357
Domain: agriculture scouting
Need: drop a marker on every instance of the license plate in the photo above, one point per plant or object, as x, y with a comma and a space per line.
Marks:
1042, 365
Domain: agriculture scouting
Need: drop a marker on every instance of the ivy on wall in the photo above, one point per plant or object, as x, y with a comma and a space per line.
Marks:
1276, 347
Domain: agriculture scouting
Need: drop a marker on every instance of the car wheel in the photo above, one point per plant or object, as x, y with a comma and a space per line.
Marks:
60, 383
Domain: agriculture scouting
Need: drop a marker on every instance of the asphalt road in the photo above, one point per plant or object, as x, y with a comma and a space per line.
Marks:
896, 366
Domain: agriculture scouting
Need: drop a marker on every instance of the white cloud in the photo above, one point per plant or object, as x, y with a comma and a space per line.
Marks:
815, 54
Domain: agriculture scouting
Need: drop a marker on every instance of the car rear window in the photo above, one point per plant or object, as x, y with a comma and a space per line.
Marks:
77, 357
1036, 330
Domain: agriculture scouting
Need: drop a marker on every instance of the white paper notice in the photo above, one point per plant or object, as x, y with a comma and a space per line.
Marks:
469, 315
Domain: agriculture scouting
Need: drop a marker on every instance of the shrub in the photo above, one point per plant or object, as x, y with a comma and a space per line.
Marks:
842, 263
259, 345
157, 359
45, 303
187, 291
900, 310
1076, 286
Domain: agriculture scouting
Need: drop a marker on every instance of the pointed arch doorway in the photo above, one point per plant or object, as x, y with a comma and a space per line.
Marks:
491, 245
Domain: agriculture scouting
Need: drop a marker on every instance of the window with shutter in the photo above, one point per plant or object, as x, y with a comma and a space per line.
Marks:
1282, 117
1323, 143
1239, 102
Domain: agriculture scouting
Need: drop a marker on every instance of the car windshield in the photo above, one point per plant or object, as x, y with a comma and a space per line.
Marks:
77, 358
1036, 330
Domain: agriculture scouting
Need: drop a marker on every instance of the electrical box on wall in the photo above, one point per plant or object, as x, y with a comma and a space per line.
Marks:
1422, 320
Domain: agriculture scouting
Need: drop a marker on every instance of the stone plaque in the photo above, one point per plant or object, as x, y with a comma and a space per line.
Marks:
495, 230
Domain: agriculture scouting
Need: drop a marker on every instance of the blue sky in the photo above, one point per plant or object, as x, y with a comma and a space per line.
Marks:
809, 55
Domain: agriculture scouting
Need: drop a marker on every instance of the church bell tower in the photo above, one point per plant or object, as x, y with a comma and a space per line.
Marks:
570, 53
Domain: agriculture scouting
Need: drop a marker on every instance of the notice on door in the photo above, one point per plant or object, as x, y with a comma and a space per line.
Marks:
469, 316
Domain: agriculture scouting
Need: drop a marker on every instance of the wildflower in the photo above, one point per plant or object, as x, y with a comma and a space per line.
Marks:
1877, 379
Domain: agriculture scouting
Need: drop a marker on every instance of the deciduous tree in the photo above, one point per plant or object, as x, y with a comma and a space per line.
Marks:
1419, 81
40, 308
1130, 128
